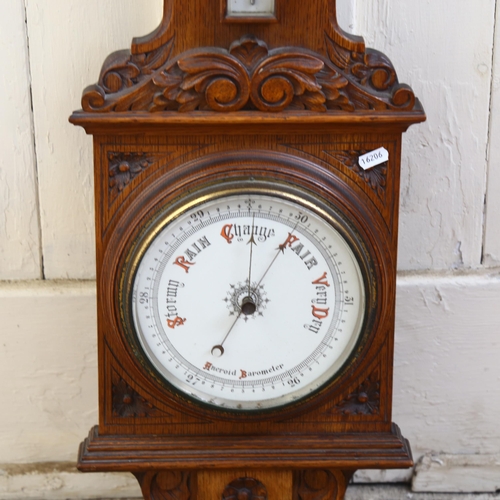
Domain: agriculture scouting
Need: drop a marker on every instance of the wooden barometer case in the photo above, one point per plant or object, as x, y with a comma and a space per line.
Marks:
247, 168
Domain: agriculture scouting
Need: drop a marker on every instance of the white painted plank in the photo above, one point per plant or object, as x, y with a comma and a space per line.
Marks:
458, 474
398, 476
69, 41
48, 365
447, 375
400, 492
63, 481
443, 49
491, 255
19, 229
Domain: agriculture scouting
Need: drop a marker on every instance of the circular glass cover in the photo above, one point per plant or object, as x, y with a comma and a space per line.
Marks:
247, 301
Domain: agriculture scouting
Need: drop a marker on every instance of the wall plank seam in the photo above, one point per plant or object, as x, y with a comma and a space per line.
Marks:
489, 137
33, 140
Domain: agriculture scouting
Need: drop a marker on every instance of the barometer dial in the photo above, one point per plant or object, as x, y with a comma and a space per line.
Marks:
246, 301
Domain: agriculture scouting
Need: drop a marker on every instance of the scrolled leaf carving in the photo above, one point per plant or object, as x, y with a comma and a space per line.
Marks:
123, 72
334, 87
94, 98
283, 77
124, 83
373, 68
203, 79
372, 79
248, 76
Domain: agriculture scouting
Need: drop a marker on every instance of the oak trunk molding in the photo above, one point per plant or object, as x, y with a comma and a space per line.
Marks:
248, 76
245, 488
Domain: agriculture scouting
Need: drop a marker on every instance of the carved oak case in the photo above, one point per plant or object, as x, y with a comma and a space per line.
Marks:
206, 100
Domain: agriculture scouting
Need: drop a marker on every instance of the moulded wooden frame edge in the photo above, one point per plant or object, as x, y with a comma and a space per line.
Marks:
340, 451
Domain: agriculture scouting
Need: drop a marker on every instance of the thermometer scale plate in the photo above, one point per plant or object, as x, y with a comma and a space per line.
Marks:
249, 10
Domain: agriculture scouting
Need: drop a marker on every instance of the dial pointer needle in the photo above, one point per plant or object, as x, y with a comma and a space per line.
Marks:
218, 350
251, 242
246, 306
281, 249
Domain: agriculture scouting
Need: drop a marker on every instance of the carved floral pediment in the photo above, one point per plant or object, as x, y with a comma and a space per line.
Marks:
248, 76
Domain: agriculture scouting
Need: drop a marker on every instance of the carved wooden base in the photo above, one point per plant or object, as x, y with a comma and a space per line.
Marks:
274, 467
310, 484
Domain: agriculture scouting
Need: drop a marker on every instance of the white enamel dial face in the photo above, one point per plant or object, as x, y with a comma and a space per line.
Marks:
247, 301
250, 7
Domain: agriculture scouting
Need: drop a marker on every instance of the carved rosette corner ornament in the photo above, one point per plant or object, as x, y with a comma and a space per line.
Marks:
124, 168
129, 403
375, 177
365, 400
248, 76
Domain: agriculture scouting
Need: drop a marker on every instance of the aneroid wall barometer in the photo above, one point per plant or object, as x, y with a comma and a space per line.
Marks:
248, 299
247, 165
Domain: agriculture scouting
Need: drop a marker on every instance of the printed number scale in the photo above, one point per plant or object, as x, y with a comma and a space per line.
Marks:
247, 302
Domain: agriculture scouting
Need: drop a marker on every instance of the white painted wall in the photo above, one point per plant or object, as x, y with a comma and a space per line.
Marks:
20, 252
447, 374
69, 40
444, 49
